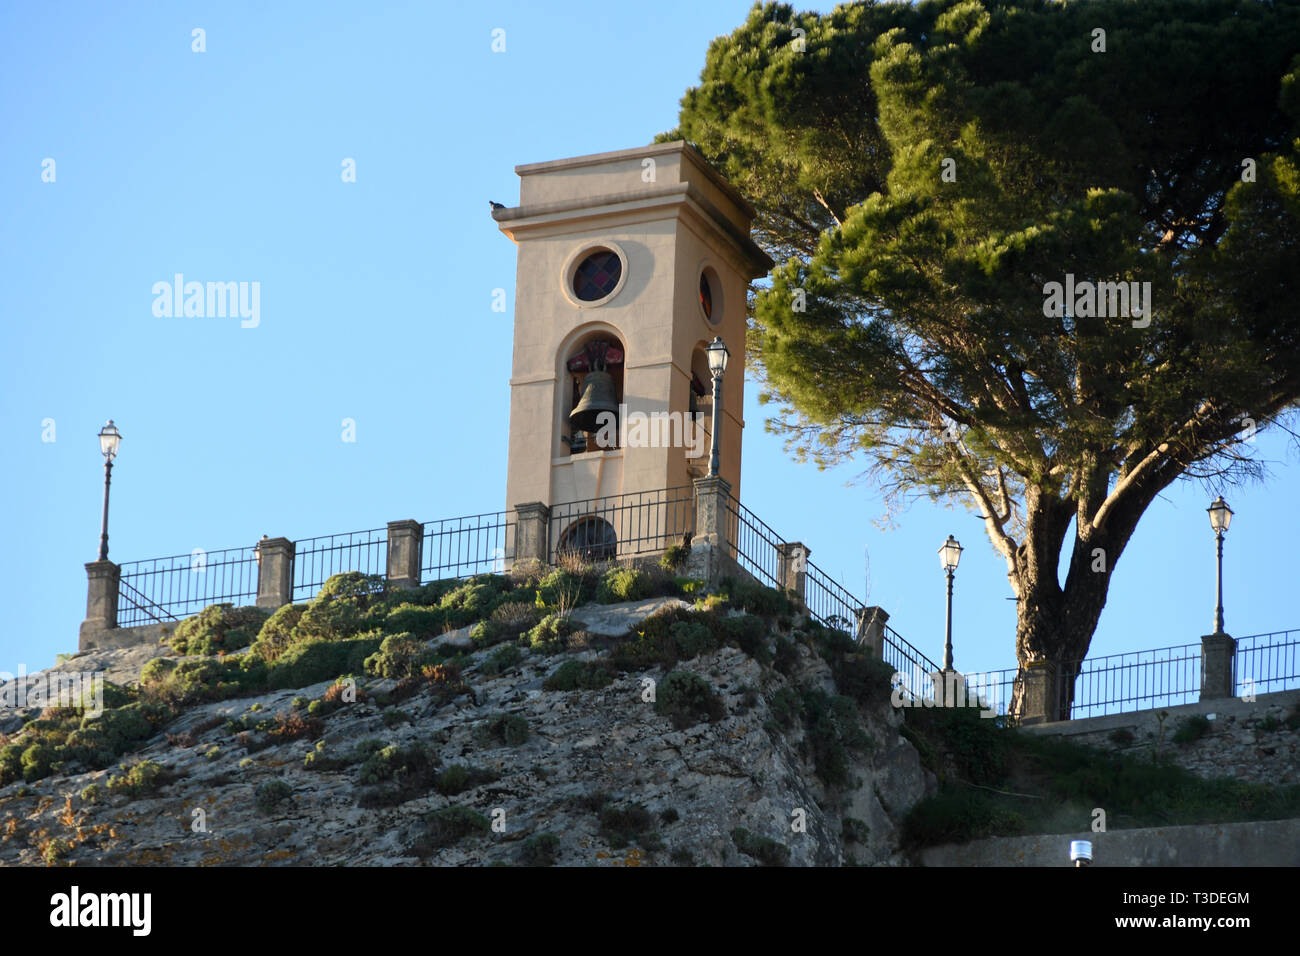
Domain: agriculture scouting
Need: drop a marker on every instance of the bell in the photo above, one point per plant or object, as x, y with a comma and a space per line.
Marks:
598, 396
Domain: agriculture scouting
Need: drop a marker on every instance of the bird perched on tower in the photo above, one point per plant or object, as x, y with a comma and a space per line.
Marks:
496, 205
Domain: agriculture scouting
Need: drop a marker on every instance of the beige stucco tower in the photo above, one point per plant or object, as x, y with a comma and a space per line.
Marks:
637, 258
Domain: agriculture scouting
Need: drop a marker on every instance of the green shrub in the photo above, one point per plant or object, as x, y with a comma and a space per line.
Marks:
750, 634
391, 762
621, 825
138, 779
270, 794
501, 660
1191, 729
547, 637
1121, 737
339, 609
757, 599
674, 557
566, 589
314, 661
669, 815
767, 852
415, 619
786, 657
623, 584
458, 778
38, 762
579, 675
444, 827
959, 740
692, 638
474, 599
853, 830
687, 699
218, 627
540, 850
181, 683
1266, 725
786, 707
277, 632
958, 816
508, 729
833, 734
401, 656
91, 794
682, 857
865, 678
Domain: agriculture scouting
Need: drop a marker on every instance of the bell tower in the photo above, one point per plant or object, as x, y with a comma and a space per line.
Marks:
629, 264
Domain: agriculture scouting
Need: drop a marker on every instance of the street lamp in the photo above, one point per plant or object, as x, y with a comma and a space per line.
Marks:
718, 355
109, 439
1220, 518
949, 557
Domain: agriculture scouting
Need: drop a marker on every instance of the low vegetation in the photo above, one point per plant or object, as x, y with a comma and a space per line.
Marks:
997, 781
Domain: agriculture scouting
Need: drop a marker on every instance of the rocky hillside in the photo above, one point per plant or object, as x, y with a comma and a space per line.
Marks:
507, 719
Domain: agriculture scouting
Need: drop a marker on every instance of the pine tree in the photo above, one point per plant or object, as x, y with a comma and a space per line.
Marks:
923, 174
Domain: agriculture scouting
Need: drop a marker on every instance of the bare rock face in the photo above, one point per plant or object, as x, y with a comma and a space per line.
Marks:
602, 778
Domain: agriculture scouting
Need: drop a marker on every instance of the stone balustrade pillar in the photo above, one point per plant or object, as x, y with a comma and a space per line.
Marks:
1217, 653
405, 547
274, 572
532, 533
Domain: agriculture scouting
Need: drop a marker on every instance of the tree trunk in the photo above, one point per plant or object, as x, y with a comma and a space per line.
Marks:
1055, 623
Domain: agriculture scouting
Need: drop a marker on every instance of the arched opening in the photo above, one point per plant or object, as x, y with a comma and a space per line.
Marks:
593, 387
591, 539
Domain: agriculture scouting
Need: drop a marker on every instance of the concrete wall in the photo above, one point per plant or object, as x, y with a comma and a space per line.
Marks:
1242, 741
115, 637
1268, 843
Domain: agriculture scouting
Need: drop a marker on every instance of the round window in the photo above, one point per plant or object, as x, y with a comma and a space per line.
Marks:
711, 303
597, 275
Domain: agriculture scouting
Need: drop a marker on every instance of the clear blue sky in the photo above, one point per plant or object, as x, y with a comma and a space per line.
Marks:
376, 305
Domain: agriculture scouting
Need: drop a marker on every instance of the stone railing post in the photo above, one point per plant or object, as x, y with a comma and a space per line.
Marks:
870, 632
405, 544
709, 545
274, 572
794, 567
532, 531
1040, 704
1217, 652
103, 579
711, 510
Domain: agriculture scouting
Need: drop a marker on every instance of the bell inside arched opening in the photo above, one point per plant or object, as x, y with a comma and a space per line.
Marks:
594, 395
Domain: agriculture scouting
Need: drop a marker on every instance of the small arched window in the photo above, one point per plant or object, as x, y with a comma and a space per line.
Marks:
591, 539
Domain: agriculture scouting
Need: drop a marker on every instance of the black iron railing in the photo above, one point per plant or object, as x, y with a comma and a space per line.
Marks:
618, 526
1265, 663
316, 560
754, 545
1136, 680
462, 547
168, 589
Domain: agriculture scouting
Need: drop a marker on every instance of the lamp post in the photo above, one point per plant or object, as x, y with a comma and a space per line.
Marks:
109, 439
718, 355
1220, 518
949, 556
